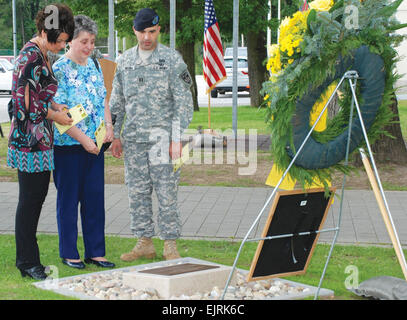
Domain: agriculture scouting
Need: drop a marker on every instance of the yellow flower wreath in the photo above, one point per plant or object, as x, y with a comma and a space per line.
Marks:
292, 30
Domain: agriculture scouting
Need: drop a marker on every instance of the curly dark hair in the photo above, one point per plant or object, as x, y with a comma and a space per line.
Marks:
65, 23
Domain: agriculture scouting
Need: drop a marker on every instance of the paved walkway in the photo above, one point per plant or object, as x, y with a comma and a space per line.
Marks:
227, 213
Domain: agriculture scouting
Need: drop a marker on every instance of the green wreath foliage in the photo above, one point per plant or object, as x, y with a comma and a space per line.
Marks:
330, 34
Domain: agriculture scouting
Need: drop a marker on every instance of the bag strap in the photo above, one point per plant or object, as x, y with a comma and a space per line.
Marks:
10, 109
96, 63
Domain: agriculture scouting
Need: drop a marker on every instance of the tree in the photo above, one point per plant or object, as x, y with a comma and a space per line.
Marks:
96, 10
254, 26
6, 33
26, 11
189, 27
253, 23
391, 149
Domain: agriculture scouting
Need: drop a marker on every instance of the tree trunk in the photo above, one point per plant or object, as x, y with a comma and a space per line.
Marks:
187, 50
333, 107
256, 54
387, 149
188, 54
22, 31
35, 6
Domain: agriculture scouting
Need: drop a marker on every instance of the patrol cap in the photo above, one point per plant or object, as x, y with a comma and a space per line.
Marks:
145, 18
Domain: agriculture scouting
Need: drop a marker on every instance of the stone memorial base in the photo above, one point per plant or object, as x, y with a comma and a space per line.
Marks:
179, 279
182, 278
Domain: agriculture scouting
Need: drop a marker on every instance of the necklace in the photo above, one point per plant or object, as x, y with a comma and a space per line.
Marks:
42, 48
43, 53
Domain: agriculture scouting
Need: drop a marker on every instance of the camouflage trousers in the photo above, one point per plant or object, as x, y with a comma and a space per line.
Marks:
147, 167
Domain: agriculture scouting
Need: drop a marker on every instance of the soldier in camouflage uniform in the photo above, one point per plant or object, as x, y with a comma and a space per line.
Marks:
151, 96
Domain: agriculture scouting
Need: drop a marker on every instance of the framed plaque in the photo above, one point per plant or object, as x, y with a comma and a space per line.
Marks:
294, 218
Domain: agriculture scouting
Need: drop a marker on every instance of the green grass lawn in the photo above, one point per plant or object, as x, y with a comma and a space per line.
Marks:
221, 119
4, 171
368, 261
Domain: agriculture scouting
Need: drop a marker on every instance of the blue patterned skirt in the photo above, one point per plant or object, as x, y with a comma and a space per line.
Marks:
31, 161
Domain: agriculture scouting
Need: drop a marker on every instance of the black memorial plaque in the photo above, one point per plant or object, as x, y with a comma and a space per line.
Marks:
179, 269
292, 213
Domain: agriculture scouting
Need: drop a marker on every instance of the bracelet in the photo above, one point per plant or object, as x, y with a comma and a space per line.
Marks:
109, 124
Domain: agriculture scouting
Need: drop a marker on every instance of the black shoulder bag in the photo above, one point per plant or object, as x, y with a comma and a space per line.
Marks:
10, 109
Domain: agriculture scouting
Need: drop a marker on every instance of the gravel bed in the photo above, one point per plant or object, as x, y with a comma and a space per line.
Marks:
110, 286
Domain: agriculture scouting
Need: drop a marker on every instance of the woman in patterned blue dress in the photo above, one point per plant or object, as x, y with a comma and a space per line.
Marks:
79, 164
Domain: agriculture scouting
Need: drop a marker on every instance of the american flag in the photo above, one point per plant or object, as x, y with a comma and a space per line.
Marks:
304, 6
214, 65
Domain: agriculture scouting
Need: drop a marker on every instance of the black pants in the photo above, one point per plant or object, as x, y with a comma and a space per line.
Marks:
33, 190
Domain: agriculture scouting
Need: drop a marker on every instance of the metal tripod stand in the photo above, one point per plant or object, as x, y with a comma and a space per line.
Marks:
352, 77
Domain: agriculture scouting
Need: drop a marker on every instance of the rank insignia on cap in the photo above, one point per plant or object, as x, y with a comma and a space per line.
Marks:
145, 18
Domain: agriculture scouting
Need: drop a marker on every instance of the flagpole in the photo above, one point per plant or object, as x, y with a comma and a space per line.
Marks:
209, 111
214, 66
14, 31
111, 42
235, 65
173, 8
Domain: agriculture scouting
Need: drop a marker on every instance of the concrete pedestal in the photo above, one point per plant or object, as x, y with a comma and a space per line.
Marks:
177, 279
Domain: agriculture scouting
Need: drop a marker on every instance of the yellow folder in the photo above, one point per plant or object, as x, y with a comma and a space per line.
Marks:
78, 113
177, 163
100, 134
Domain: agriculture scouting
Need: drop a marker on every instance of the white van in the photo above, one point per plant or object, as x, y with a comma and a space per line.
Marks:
242, 73
241, 52
6, 75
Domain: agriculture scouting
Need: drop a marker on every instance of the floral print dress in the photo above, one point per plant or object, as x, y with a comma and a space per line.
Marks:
84, 85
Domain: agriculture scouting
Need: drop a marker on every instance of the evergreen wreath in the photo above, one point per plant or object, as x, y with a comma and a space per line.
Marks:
312, 44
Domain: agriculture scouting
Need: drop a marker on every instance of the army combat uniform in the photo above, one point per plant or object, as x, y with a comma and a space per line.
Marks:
153, 100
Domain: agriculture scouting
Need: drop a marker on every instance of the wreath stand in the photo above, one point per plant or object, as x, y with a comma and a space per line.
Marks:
352, 77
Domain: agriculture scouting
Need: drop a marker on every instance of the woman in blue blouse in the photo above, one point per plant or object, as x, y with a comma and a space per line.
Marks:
79, 164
